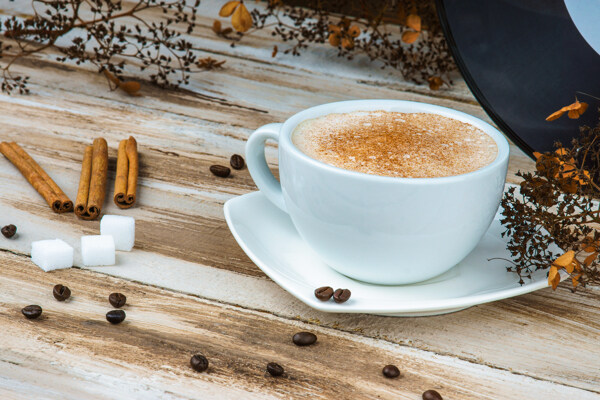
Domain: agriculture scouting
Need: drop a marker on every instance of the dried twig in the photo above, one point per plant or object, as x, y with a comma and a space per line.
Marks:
402, 34
107, 34
558, 205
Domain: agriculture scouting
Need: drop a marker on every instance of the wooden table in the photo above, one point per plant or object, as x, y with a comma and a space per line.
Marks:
190, 287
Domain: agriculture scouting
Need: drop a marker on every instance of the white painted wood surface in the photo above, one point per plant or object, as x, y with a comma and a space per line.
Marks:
542, 345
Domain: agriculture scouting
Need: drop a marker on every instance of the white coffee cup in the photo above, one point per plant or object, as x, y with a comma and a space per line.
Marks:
378, 229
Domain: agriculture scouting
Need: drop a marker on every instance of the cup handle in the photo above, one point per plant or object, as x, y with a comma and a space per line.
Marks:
257, 164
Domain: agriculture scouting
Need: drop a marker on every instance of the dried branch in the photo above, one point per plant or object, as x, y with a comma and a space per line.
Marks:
401, 34
106, 34
558, 205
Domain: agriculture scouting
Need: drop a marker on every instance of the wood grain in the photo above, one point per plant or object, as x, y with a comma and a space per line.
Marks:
542, 345
147, 356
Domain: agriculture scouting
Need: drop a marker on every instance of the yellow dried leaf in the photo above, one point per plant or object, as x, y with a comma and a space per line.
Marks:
574, 111
131, 87
575, 280
413, 21
586, 177
347, 43
567, 170
569, 268
561, 152
565, 259
216, 26
209, 63
435, 82
241, 19
555, 115
410, 37
334, 39
590, 259
354, 31
228, 8
553, 277
537, 155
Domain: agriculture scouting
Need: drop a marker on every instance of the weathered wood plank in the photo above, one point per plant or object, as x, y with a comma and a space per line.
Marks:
257, 47
534, 320
74, 351
181, 234
302, 82
189, 147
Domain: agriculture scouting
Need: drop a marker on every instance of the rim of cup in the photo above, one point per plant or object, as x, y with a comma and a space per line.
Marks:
404, 106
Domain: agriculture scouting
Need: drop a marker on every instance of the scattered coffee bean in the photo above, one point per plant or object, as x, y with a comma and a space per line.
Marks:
115, 316
324, 293
32, 311
304, 338
220, 171
237, 161
390, 371
341, 295
9, 231
432, 395
274, 369
61, 292
117, 300
199, 362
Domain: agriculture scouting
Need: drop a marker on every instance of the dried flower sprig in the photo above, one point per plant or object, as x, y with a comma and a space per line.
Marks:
106, 34
401, 34
574, 111
557, 205
210, 63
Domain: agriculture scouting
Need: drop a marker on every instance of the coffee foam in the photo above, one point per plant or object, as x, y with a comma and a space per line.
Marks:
409, 145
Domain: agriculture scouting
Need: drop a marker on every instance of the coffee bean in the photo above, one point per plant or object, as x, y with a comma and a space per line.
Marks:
390, 371
324, 293
199, 362
9, 231
341, 295
115, 316
117, 300
61, 293
220, 171
432, 395
237, 161
32, 311
304, 338
274, 369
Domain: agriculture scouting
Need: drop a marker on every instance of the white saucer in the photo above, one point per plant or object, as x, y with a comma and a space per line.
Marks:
269, 238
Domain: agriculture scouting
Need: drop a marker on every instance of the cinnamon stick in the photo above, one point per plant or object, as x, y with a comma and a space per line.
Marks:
127, 173
84, 182
37, 177
92, 182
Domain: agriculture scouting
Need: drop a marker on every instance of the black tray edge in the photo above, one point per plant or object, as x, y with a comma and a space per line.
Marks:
441, 10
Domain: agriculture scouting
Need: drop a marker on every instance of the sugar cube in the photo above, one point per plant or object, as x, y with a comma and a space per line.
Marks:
51, 254
121, 228
98, 250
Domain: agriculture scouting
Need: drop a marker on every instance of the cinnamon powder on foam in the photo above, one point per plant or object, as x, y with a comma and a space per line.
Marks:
409, 145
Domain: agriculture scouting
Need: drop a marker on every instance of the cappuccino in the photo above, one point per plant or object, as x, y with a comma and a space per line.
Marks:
406, 145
